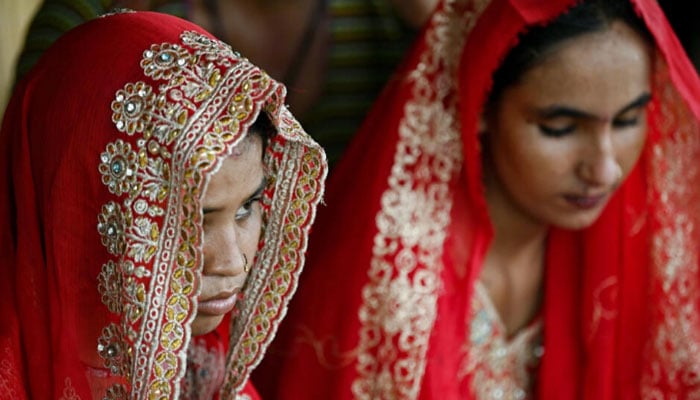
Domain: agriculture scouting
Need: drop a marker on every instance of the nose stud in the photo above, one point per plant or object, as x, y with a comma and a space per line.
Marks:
246, 267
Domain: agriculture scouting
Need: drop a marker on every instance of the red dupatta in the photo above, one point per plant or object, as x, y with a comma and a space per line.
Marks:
384, 304
107, 147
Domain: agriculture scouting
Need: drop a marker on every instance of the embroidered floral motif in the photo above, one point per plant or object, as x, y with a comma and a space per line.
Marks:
110, 225
415, 212
165, 60
119, 167
111, 349
132, 107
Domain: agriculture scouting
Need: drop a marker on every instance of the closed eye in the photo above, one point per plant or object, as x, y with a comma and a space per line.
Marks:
633, 113
625, 122
556, 131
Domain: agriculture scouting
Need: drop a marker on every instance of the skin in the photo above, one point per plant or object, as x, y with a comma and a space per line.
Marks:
232, 224
559, 142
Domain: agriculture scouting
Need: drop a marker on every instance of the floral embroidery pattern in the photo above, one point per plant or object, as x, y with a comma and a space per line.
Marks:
132, 108
400, 298
111, 228
110, 348
119, 167
165, 60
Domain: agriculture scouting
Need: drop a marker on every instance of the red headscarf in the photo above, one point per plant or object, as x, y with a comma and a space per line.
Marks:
107, 147
384, 304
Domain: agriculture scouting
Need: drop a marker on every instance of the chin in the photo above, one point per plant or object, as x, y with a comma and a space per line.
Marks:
204, 324
578, 222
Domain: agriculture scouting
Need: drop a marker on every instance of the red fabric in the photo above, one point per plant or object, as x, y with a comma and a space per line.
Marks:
383, 305
105, 151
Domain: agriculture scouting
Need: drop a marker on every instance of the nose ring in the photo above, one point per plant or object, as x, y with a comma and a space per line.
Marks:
246, 267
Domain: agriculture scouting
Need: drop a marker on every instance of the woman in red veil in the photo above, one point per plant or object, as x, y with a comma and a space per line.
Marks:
156, 197
406, 295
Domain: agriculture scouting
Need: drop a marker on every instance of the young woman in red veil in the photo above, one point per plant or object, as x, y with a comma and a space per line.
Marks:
155, 201
518, 218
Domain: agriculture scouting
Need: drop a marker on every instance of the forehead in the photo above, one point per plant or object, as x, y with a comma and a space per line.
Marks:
239, 173
594, 71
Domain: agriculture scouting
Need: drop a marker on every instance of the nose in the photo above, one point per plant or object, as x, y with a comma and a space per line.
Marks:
599, 166
223, 254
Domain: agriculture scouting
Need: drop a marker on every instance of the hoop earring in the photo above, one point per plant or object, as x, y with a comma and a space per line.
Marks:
246, 267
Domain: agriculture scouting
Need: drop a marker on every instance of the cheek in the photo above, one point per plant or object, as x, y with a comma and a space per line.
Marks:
534, 159
250, 231
214, 238
630, 148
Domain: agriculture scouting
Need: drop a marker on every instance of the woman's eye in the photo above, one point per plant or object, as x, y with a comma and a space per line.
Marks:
552, 131
246, 209
625, 122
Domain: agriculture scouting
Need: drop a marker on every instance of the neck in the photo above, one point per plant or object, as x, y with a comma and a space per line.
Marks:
518, 237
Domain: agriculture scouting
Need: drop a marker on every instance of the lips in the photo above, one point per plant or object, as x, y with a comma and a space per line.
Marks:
586, 202
219, 304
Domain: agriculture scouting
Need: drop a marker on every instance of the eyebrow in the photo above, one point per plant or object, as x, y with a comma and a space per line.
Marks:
563, 111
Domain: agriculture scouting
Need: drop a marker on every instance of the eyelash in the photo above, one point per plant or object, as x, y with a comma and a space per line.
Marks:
560, 132
247, 208
625, 122
556, 132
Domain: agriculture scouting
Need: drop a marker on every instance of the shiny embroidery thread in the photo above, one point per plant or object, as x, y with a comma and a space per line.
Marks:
400, 298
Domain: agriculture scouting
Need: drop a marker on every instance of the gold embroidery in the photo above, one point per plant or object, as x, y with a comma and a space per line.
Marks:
400, 299
673, 353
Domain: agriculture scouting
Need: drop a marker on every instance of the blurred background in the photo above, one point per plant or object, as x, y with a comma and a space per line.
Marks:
16, 16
